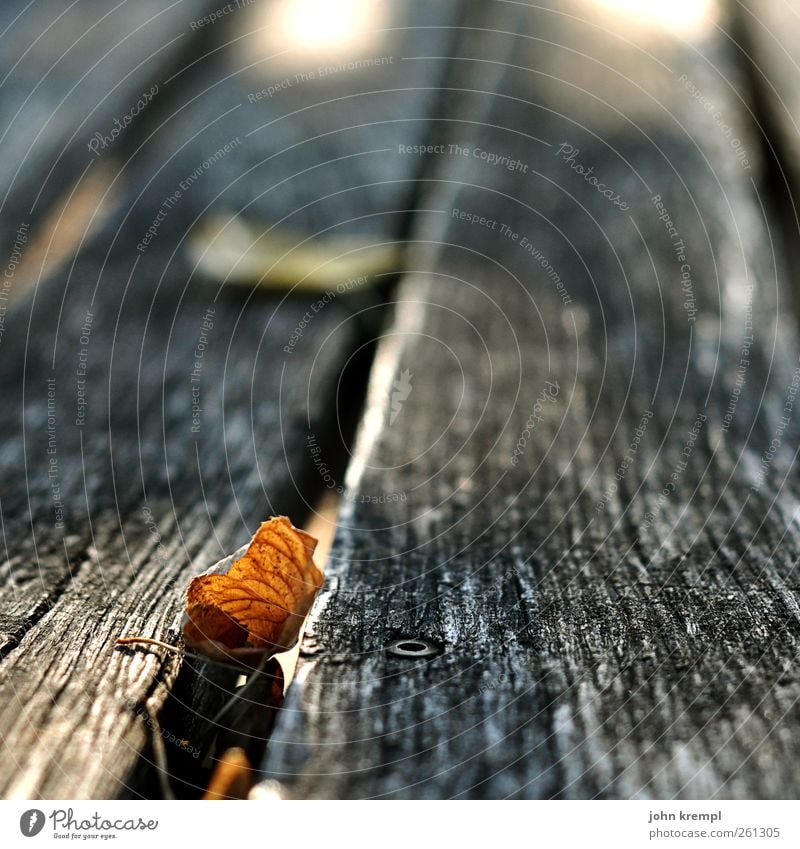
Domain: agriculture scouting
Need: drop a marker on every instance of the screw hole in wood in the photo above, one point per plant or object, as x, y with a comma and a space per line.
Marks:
413, 647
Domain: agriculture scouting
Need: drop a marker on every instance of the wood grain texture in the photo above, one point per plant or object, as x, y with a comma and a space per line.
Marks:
607, 569
71, 73
113, 492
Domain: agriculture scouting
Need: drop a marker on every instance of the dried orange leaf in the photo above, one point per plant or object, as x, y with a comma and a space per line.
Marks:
252, 605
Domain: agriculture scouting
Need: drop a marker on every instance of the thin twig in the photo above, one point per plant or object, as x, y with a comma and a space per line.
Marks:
237, 694
235, 698
160, 755
148, 641
242, 669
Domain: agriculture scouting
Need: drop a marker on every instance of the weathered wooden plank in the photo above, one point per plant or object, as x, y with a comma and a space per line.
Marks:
140, 490
75, 78
573, 480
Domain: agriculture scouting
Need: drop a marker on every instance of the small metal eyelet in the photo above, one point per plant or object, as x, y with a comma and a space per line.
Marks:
413, 647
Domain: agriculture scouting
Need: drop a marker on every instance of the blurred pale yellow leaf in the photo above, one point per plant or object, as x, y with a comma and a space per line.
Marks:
248, 253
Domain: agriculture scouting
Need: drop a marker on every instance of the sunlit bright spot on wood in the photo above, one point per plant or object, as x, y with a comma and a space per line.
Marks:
690, 18
318, 31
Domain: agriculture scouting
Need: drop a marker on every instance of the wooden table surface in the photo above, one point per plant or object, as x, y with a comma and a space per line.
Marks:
561, 429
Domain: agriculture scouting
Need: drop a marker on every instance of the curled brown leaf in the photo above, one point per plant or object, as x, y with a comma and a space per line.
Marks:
250, 608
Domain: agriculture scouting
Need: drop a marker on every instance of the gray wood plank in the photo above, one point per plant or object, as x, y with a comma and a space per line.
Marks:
606, 573
145, 500
75, 81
